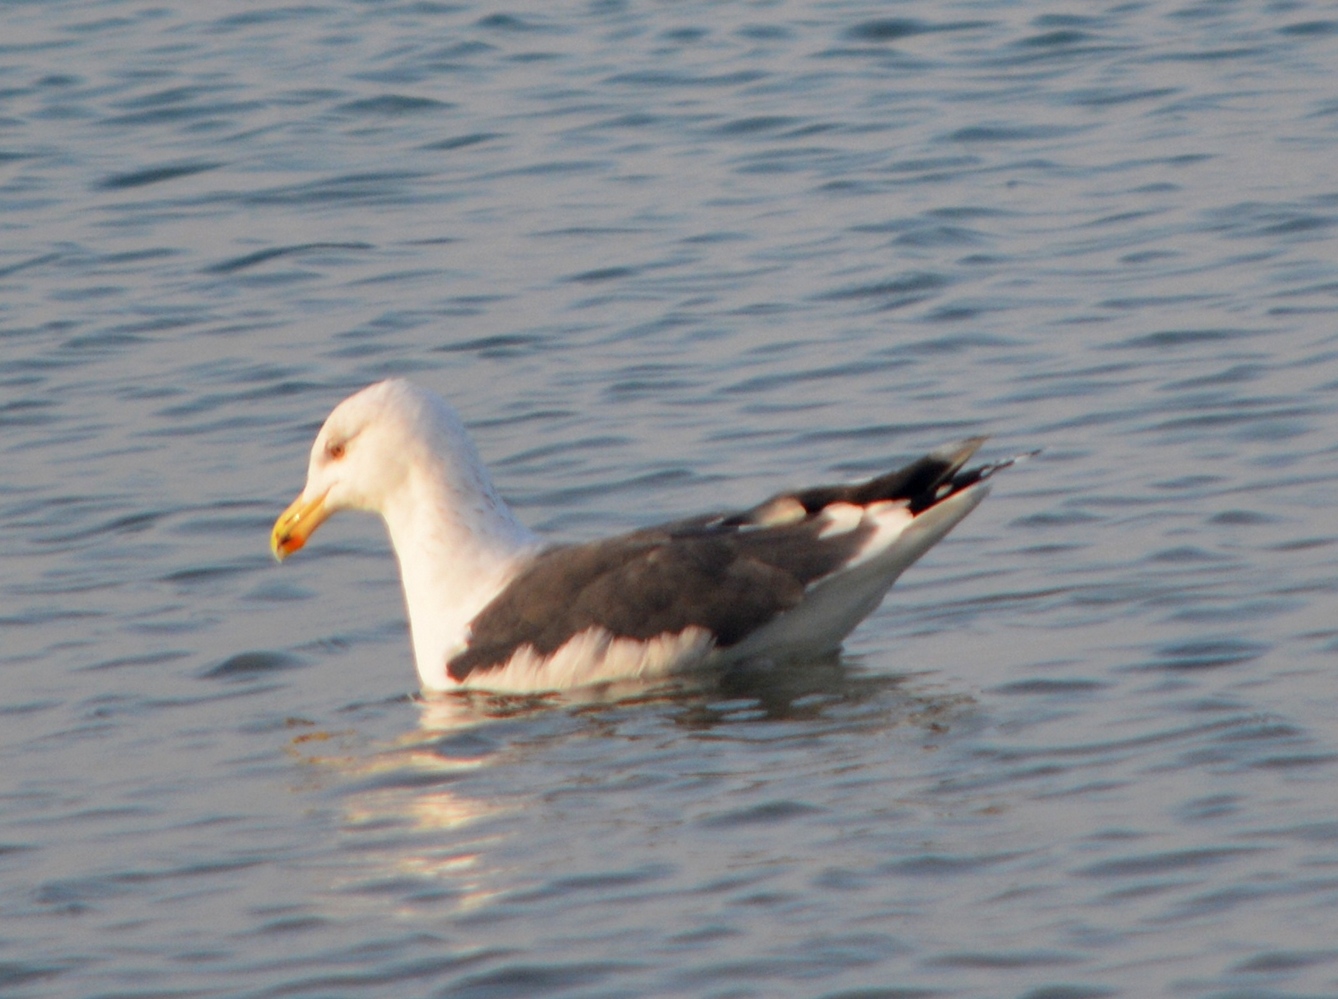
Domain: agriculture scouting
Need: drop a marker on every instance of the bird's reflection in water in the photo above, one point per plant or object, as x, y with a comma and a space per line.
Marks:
463, 709
441, 804
834, 688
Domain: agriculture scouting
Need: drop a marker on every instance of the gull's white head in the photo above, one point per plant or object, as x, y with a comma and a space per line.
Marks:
399, 451
381, 447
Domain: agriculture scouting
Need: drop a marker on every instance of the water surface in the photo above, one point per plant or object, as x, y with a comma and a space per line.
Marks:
666, 258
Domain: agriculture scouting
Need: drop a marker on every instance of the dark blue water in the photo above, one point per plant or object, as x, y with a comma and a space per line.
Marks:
667, 258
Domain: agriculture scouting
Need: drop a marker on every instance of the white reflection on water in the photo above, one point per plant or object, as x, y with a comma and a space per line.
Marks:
400, 817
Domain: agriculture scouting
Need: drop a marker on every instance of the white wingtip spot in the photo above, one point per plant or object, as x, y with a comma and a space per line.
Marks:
890, 518
841, 518
780, 511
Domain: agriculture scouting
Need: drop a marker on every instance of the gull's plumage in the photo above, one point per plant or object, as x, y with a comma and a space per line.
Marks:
491, 606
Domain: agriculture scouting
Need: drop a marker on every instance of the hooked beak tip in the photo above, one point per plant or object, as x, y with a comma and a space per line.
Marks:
282, 545
295, 525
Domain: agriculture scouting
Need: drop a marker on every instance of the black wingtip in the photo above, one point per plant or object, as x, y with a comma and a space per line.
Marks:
921, 484
982, 472
953, 456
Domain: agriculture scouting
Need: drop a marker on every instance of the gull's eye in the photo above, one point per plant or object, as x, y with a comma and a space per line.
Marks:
335, 451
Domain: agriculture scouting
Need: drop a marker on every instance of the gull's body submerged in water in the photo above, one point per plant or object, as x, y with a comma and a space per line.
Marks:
491, 606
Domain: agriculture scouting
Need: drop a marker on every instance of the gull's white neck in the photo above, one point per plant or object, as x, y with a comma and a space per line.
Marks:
457, 545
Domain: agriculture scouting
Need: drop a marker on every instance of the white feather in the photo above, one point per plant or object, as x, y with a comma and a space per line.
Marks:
841, 518
595, 656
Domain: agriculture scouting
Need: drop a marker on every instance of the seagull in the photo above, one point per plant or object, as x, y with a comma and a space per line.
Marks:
492, 606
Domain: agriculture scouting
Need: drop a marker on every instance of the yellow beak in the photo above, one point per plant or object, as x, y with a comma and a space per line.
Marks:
295, 525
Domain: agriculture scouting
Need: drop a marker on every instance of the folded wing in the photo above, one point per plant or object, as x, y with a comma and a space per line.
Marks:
734, 576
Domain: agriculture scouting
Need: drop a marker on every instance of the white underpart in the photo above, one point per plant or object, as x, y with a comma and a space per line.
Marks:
596, 656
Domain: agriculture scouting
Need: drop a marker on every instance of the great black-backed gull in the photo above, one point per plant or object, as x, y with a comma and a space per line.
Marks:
491, 606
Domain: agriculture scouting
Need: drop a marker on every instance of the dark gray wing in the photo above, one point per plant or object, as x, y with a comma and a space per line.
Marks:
727, 573
653, 582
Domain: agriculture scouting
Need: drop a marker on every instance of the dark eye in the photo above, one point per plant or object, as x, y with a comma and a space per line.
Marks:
335, 451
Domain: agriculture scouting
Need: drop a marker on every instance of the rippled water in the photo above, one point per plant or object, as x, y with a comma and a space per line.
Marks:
666, 258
